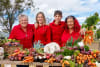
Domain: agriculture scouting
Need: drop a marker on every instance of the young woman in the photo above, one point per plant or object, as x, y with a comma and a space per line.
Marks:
57, 27
42, 33
72, 29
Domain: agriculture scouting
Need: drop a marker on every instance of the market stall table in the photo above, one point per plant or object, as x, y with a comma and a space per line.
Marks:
32, 64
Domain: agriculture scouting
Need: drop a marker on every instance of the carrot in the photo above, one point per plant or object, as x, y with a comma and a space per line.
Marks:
97, 52
94, 55
82, 61
61, 61
66, 62
89, 63
78, 57
79, 62
63, 65
28, 57
46, 61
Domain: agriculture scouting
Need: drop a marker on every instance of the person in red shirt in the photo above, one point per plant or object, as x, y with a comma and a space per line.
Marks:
57, 27
23, 32
42, 33
72, 30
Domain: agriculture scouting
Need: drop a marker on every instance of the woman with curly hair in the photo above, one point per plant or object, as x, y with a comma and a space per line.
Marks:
72, 29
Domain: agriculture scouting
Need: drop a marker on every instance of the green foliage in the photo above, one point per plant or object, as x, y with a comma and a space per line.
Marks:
70, 43
86, 48
80, 65
91, 21
27, 52
68, 52
76, 52
98, 33
72, 64
38, 46
3, 41
9, 11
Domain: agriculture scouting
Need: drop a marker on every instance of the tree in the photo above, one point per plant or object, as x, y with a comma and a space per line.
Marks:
91, 21
10, 9
98, 33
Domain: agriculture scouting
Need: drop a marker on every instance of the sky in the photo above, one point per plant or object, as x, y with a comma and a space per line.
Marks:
81, 9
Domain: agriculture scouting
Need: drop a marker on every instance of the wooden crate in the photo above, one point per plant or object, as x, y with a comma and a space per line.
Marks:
95, 45
10, 49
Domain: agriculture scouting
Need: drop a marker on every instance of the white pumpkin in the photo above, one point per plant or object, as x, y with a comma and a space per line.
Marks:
51, 47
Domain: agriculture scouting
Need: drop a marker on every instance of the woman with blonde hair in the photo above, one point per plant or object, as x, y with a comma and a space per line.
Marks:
24, 33
42, 33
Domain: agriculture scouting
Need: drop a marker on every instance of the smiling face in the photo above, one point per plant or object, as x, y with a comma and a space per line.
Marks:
70, 23
23, 21
40, 18
58, 18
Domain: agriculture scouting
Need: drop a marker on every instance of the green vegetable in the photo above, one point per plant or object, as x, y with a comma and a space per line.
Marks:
86, 48
76, 52
67, 52
70, 42
80, 65
40, 51
72, 64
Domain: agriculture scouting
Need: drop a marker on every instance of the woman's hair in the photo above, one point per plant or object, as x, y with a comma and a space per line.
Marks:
21, 16
43, 17
77, 26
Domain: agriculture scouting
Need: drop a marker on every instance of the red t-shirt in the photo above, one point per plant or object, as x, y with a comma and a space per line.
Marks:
57, 31
67, 36
43, 34
26, 38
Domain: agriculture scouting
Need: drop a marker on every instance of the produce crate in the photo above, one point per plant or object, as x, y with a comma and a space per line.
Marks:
10, 49
95, 45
